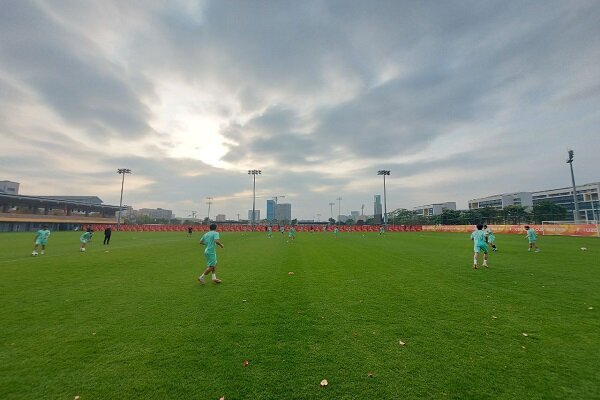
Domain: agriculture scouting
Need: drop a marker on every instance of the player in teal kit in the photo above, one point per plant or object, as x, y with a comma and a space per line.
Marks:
490, 238
269, 232
479, 245
85, 238
292, 233
211, 239
41, 239
532, 237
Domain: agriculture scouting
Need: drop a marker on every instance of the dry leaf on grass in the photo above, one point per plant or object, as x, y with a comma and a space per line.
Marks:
245, 363
494, 317
76, 398
222, 398
290, 273
524, 334
324, 383
401, 343
370, 374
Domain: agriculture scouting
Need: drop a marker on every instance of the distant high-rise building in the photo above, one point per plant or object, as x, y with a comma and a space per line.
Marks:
9, 187
271, 210
355, 215
377, 216
256, 215
220, 218
284, 212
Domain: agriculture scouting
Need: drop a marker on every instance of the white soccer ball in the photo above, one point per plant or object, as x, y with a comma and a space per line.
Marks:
584, 248
34, 254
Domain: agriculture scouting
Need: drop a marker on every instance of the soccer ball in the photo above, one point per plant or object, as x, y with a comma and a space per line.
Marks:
34, 253
584, 248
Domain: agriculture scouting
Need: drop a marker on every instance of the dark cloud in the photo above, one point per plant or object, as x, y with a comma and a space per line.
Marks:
69, 73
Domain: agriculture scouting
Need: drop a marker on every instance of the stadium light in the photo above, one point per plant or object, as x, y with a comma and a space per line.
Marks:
253, 172
331, 206
339, 199
121, 171
570, 162
384, 173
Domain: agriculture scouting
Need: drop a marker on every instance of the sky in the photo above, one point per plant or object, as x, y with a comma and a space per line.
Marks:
458, 99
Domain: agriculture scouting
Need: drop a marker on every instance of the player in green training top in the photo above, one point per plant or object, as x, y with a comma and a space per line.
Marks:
532, 237
269, 232
41, 239
490, 238
336, 231
478, 238
210, 239
292, 233
85, 238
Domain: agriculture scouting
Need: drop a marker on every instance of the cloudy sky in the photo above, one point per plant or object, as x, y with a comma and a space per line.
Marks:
458, 99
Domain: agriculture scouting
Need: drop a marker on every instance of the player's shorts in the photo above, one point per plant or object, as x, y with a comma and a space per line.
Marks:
491, 239
480, 248
211, 259
84, 241
41, 242
532, 241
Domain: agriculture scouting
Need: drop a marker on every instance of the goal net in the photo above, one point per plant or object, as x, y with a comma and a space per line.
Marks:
570, 228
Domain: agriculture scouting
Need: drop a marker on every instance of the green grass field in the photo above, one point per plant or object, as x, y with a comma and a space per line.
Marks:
130, 321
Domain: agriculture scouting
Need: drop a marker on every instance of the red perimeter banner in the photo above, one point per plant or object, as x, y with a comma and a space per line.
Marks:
547, 229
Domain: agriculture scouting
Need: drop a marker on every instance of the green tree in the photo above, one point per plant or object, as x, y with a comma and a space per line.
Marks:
548, 211
515, 215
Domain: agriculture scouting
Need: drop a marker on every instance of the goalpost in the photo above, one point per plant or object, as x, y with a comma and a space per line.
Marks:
570, 228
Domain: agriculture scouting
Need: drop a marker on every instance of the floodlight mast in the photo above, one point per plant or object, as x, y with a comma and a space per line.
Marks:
339, 199
570, 162
331, 206
253, 172
121, 171
384, 173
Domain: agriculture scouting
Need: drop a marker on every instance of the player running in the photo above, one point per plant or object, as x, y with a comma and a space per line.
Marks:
490, 238
292, 234
532, 237
210, 239
478, 238
41, 239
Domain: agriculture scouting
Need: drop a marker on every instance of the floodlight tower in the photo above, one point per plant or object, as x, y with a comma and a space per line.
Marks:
570, 162
121, 171
331, 206
339, 199
384, 173
253, 172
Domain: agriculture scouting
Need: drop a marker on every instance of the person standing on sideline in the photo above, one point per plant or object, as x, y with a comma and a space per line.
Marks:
85, 238
190, 230
41, 239
490, 238
210, 239
336, 231
269, 232
478, 238
107, 233
532, 237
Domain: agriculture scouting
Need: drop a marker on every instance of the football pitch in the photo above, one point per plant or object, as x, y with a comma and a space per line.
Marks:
400, 316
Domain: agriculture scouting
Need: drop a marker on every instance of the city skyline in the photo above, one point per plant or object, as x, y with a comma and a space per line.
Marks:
456, 100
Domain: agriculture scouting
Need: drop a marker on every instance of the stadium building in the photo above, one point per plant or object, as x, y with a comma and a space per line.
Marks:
27, 213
